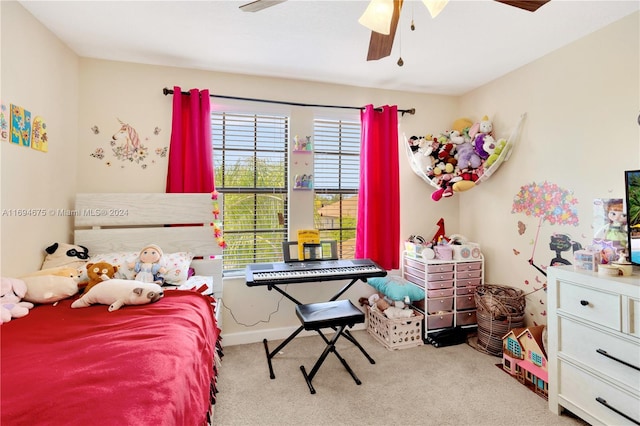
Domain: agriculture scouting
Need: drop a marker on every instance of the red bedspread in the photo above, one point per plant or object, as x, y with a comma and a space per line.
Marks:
140, 365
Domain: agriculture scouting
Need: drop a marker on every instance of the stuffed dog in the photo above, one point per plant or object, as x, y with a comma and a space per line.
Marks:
117, 293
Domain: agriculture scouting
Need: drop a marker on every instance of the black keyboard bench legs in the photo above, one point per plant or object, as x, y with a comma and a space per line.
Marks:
337, 315
329, 348
276, 350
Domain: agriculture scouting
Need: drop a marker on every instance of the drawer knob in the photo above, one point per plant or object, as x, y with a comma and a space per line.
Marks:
584, 302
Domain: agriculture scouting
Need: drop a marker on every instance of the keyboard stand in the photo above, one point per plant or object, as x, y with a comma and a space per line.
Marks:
345, 333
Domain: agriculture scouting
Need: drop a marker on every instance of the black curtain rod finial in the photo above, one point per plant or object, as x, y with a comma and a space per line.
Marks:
167, 91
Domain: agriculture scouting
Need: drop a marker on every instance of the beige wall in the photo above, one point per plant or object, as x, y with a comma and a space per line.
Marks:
580, 133
40, 74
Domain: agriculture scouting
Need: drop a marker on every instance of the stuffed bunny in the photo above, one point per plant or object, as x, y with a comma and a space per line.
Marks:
11, 294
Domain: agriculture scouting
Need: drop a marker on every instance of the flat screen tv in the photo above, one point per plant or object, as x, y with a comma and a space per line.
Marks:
632, 193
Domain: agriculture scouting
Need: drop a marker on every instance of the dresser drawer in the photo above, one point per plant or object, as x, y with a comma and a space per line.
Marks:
440, 276
463, 275
468, 282
592, 305
439, 304
418, 280
434, 285
462, 291
440, 267
414, 264
440, 321
581, 389
465, 302
441, 292
469, 266
466, 318
582, 342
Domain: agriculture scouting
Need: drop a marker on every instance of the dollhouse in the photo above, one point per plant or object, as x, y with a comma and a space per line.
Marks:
524, 357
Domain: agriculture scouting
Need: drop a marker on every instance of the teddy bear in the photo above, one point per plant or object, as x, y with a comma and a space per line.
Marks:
117, 293
98, 272
12, 290
148, 267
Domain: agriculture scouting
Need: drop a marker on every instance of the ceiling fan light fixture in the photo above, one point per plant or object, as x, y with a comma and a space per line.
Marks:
435, 6
377, 16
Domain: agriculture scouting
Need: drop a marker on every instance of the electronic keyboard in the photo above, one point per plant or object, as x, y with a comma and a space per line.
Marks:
310, 271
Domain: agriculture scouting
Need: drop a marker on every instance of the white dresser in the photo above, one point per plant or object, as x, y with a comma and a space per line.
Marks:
594, 345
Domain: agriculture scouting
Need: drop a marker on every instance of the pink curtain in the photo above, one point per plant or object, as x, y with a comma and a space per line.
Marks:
190, 151
378, 227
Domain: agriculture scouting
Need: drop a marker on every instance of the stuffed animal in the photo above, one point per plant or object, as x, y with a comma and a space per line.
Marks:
148, 265
461, 124
73, 256
499, 146
98, 272
12, 290
117, 293
484, 126
467, 157
51, 285
480, 141
60, 271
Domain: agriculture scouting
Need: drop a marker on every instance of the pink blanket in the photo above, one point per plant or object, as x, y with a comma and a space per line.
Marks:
140, 365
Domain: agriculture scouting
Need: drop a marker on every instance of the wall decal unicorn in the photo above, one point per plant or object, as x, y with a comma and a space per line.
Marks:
130, 147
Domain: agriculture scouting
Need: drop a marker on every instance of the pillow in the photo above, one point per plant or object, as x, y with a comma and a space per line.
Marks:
396, 288
177, 265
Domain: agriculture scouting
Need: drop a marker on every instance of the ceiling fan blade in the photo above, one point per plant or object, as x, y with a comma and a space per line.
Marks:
380, 44
529, 5
258, 5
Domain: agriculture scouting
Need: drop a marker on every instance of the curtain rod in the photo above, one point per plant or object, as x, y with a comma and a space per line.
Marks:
167, 91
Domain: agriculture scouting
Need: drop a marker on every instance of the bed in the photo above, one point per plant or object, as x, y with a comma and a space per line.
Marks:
152, 364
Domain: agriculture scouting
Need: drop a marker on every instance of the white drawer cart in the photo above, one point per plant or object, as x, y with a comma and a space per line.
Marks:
594, 345
449, 287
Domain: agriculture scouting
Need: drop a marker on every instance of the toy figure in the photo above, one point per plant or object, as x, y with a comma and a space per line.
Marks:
616, 229
148, 265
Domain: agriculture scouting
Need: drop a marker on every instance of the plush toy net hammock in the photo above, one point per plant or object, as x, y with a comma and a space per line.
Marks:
431, 159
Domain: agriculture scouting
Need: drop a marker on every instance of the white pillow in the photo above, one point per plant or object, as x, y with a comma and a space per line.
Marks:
177, 265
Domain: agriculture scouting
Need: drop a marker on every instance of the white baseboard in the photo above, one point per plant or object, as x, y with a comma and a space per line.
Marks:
271, 334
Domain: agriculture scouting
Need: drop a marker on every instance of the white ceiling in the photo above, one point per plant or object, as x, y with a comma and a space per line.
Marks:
469, 44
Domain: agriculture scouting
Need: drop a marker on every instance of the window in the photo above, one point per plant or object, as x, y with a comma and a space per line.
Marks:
251, 161
536, 359
336, 181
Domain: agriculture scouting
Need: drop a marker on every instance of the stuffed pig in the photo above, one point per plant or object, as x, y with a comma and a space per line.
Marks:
117, 293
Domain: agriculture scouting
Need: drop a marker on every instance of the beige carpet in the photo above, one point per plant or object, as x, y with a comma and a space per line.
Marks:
455, 385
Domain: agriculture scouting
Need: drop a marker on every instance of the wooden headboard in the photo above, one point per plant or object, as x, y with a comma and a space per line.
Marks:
111, 222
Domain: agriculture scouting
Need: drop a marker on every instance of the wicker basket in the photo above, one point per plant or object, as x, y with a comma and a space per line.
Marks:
396, 333
499, 309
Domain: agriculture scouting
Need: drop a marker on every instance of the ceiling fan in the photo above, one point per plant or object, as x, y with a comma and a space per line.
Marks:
383, 23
